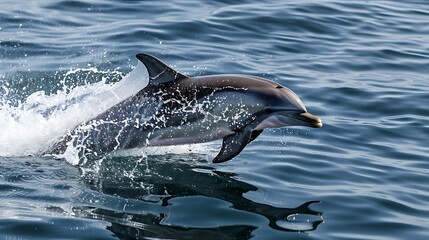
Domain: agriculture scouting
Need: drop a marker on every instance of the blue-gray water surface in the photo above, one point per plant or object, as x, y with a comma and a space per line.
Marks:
361, 66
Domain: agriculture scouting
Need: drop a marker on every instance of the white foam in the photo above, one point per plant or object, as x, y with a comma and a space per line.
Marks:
35, 124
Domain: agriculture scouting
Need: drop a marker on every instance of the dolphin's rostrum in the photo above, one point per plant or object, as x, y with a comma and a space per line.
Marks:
176, 109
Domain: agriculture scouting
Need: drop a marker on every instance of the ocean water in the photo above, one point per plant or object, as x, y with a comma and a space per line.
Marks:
361, 66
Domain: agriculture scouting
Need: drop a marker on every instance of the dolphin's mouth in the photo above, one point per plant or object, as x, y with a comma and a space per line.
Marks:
299, 118
309, 119
287, 118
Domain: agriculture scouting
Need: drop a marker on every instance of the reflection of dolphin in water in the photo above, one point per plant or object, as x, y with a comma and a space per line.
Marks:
176, 109
176, 188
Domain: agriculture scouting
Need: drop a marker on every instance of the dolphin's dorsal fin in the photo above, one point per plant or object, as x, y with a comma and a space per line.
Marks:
158, 71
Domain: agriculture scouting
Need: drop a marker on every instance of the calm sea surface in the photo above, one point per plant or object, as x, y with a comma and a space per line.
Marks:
362, 66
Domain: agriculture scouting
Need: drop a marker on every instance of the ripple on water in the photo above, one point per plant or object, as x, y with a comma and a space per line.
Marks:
359, 65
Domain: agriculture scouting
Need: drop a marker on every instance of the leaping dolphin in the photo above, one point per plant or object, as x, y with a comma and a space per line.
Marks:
176, 109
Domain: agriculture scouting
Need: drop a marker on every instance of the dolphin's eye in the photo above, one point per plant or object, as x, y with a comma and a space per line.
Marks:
278, 86
268, 110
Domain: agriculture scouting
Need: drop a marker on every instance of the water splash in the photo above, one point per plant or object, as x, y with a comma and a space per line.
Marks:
31, 126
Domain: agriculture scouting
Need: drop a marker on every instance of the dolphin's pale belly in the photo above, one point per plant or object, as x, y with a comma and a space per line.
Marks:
187, 134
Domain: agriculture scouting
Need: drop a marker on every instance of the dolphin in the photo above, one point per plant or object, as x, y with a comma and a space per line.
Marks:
176, 109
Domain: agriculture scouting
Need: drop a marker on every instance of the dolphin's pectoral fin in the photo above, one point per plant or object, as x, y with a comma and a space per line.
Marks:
255, 134
158, 71
232, 145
